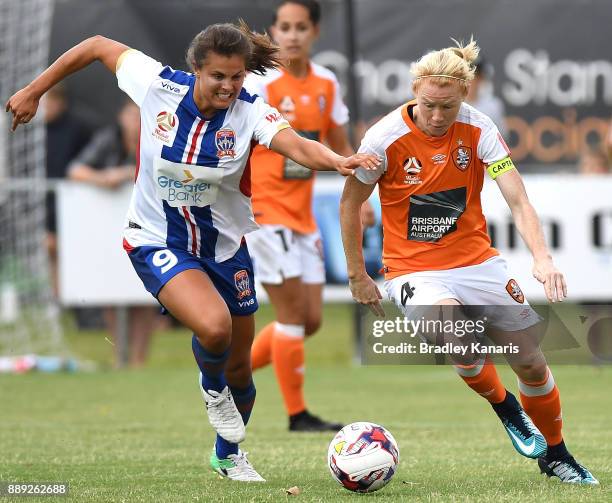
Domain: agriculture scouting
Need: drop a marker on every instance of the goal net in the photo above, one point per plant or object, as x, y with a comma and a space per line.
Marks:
29, 317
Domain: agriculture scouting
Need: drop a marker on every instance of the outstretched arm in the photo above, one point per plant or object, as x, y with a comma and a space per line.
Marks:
512, 188
316, 156
24, 103
363, 288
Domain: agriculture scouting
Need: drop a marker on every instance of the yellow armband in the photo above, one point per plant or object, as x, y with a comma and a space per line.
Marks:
499, 167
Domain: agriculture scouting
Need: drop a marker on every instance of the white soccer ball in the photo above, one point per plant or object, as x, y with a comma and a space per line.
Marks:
363, 457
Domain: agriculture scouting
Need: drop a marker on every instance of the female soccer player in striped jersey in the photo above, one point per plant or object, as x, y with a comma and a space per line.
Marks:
191, 206
435, 151
287, 250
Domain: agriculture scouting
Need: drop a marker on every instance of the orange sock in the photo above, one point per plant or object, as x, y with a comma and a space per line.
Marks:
261, 352
542, 404
288, 361
483, 379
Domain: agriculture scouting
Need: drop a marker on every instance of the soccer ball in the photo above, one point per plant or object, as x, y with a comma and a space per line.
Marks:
363, 457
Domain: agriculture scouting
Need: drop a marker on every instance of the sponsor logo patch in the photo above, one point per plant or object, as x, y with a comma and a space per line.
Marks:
168, 86
225, 141
439, 159
432, 216
406, 293
412, 168
166, 124
242, 283
166, 121
274, 117
515, 291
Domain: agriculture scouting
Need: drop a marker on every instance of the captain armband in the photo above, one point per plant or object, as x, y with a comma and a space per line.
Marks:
499, 167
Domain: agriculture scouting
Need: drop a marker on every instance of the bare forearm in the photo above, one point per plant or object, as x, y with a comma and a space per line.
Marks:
530, 229
352, 238
316, 156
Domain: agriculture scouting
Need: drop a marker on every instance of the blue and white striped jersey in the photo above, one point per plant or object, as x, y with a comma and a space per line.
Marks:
193, 188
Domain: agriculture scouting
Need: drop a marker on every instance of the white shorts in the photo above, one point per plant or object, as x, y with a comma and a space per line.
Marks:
279, 253
488, 284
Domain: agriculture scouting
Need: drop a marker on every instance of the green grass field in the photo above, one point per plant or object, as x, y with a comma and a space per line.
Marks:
143, 435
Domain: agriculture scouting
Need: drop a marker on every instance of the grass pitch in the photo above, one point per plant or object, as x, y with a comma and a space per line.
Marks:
143, 435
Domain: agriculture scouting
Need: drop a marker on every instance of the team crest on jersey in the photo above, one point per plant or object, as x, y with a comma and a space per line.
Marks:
322, 100
412, 168
515, 291
166, 123
462, 156
225, 140
287, 108
242, 283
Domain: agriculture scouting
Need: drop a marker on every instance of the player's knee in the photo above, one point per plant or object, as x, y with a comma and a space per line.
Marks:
532, 371
215, 335
292, 312
312, 326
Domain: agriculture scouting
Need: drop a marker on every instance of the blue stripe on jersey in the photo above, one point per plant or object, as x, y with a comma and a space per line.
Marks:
208, 157
245, 96
208, 148
208, 234
186, 119
177, 76
176, 236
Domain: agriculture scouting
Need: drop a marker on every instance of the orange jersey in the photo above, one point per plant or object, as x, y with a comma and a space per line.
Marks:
282, 189
430, 188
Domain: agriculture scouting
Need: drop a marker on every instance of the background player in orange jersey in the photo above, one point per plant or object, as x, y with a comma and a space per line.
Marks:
436, 249
287, 250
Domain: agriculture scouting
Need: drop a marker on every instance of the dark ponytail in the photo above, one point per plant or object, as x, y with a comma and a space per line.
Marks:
257, 49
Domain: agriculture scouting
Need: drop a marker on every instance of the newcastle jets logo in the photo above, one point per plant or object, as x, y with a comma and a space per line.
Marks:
225, 141
242, 284
462, 156
412, 168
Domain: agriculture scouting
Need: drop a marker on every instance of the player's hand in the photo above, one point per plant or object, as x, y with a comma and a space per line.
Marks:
365, 292
554, 283
347, 165
23, 105
113, 178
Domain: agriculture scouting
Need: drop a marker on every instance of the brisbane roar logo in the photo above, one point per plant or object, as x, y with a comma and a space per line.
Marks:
242, 283
166, 121
462, 156
225, 141
515, 291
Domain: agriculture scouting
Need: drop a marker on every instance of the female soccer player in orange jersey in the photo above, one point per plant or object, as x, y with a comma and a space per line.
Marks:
435, 151
287, 249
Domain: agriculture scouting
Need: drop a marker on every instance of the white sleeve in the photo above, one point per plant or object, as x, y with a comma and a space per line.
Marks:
368, 146
268, 122
254, 85
491, 145
135, 74
339, 112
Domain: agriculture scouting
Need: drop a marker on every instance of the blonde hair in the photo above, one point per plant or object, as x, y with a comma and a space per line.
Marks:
453, 64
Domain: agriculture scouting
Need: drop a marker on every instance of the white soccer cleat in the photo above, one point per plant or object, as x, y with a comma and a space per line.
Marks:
223, 414
235, 467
